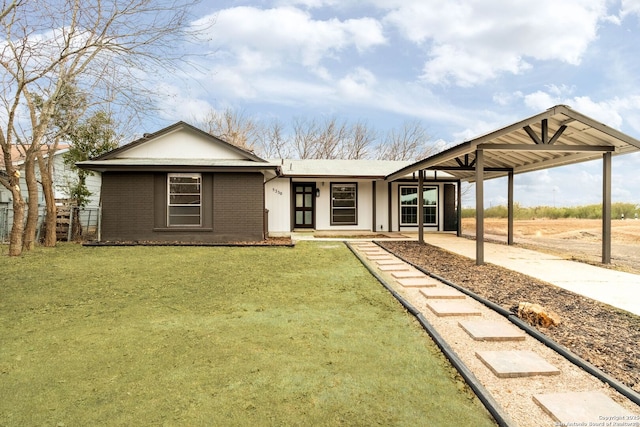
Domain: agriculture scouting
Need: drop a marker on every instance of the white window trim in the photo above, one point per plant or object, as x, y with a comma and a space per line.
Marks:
169, 205
355, 202
400, 206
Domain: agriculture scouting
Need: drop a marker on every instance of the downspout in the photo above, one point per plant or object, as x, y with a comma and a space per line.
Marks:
389, 197
373, 202
265, 216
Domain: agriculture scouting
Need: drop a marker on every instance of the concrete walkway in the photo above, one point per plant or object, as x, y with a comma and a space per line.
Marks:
611, 287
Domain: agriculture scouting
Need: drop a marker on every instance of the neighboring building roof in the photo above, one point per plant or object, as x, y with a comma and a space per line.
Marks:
18, 152
556, 137
366, 169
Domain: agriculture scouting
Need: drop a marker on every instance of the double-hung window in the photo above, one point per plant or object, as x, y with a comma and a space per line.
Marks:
185, 200
344, 204
409, 205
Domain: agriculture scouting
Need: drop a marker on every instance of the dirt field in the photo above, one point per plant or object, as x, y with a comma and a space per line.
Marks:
579, 239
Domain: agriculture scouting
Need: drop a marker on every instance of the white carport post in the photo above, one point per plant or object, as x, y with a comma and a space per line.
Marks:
479, 207
420, 206
606, 208
459, 209
510, 209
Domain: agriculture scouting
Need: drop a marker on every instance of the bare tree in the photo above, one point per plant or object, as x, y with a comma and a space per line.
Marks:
333, 136
232, 126
305, 136
358, 144
103, 46
410, 142
272, 141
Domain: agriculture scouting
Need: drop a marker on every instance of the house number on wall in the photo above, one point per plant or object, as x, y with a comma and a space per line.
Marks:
278, 192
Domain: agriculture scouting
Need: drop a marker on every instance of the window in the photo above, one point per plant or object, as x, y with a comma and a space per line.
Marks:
185, 199
409, 206
344, 204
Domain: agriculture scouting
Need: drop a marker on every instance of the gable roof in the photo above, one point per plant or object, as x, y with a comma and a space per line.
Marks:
147, 137
556, 137
214, 155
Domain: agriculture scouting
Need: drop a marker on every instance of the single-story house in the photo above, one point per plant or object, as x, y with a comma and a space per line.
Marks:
183, 184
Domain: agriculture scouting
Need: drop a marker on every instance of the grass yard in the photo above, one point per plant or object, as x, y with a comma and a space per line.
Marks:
215, 336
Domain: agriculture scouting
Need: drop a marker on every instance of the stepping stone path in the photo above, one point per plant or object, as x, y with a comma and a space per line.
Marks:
380, 257
417, 282
407, 274
394, 267
389, 261
442, 293
487, 330
583, 408
452, 308
516, 363
444, 301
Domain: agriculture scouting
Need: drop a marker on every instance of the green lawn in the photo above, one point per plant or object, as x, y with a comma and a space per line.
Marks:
215, 336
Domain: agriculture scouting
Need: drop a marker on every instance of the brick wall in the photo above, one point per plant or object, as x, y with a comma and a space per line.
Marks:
134, 208
127, 206
238, 205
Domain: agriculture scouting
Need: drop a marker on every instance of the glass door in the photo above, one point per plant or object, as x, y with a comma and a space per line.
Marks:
304, 204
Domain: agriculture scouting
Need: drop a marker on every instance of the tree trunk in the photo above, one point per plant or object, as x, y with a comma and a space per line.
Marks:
15, 237
46, 172
31, 227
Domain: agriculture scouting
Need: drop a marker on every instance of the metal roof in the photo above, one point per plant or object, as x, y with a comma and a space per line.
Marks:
556, 137
337, 168
160, 164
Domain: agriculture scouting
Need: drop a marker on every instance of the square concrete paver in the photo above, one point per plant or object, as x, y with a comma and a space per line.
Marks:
388, 261
443, 308
582, 408
378, 257
442, 293
516, 363
394, 267
417, 282
407, 274
489, 330
368, 249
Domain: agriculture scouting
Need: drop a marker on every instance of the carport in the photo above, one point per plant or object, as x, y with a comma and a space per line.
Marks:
556, 137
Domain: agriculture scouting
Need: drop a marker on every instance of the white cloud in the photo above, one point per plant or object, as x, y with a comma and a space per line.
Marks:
608, 111
629, 7
262, 39
468, 43
358, 84
174, 104
505, 98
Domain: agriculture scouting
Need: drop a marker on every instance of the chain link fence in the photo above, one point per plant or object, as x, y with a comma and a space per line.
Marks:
73, 223
4, 224
78, 224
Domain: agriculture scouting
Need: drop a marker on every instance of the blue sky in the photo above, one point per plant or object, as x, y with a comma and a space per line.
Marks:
461, 67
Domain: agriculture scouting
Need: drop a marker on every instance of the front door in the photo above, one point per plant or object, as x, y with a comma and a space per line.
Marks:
304, 194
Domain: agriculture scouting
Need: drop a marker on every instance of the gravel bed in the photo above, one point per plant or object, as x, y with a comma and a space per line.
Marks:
602, 335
